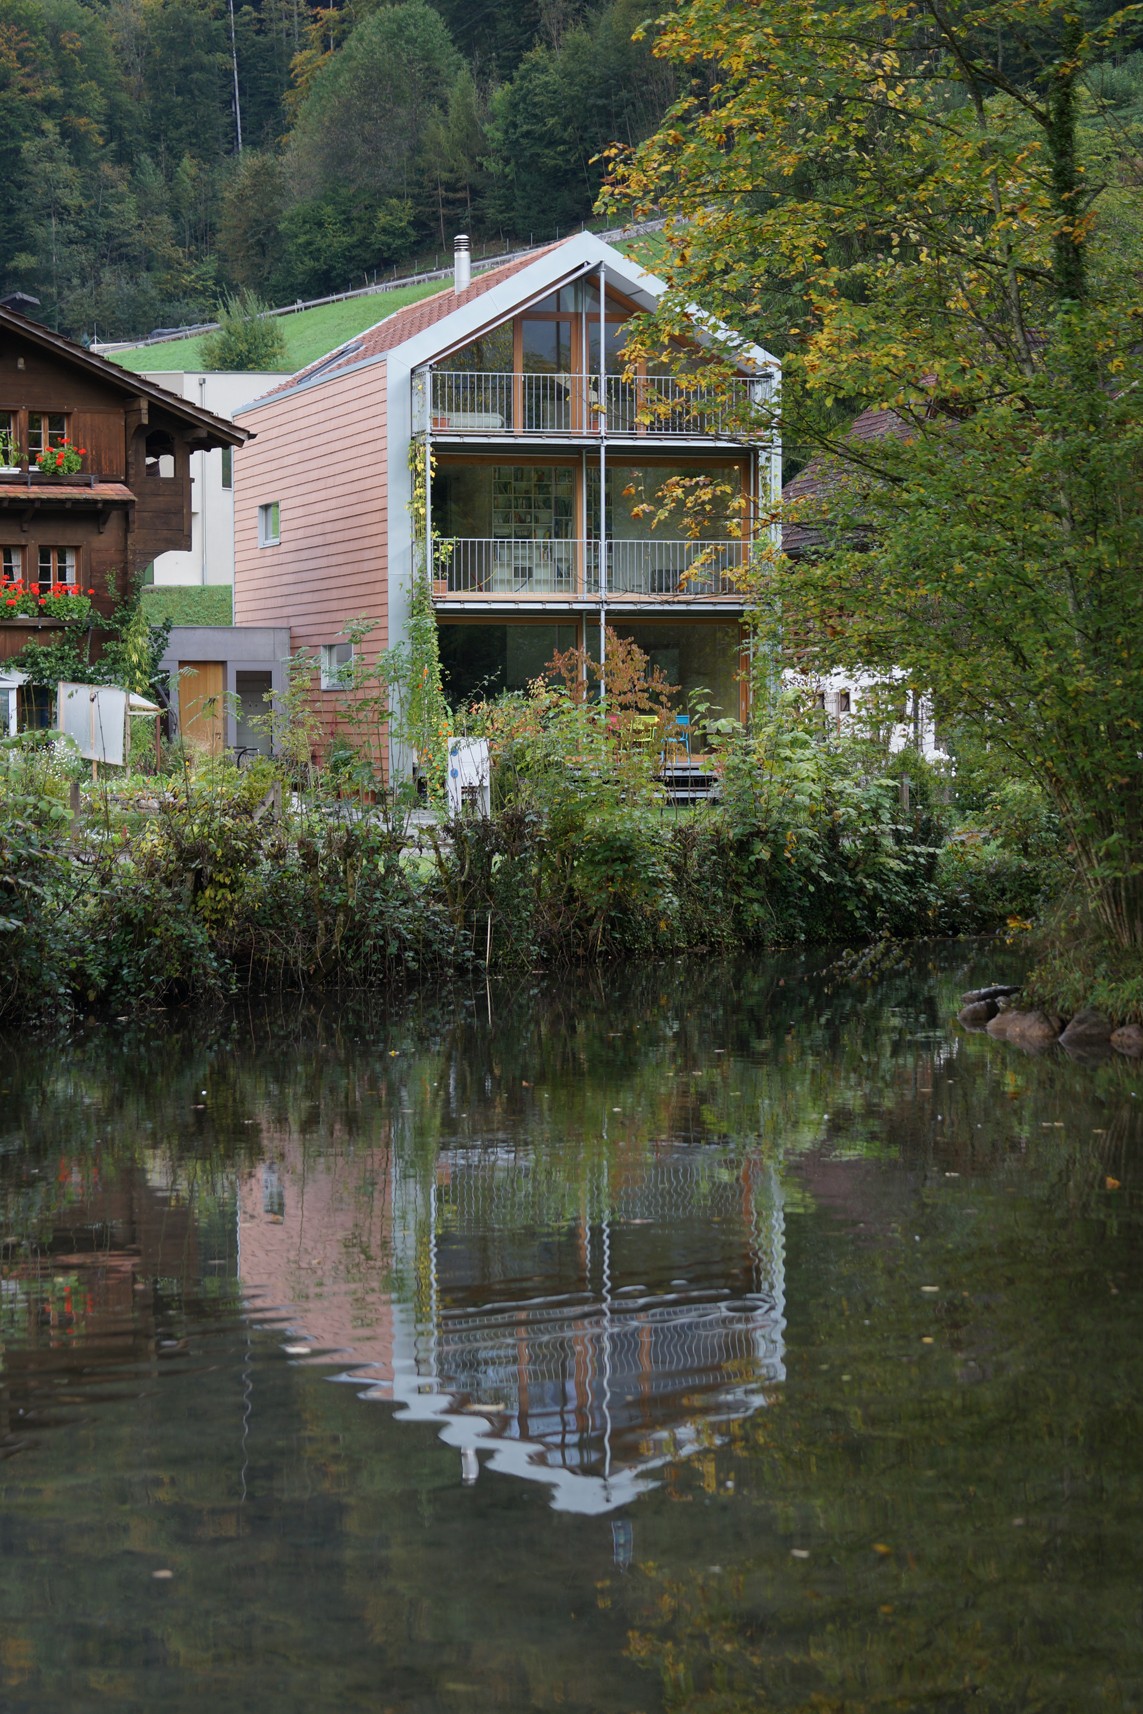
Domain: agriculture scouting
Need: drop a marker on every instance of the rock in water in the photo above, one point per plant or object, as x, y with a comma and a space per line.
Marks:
998, 991
1028, 1029
1128, 1039
977, 1013
1088, 1028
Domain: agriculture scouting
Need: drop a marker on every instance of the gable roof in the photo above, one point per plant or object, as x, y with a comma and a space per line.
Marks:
210, 429
439, 324
403, 324
811, 487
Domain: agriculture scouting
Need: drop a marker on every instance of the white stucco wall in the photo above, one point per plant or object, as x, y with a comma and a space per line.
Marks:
211, 555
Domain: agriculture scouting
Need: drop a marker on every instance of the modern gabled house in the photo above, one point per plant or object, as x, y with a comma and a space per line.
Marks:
99, 526
545, 463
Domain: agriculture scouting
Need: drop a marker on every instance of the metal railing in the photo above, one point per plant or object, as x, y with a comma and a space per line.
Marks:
484, 402
468, 565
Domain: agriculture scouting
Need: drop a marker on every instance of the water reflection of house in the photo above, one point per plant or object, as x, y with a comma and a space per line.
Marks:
313, 1242
577, 1334
78, 1276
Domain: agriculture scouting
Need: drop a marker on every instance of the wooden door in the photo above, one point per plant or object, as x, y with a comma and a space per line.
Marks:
202, 704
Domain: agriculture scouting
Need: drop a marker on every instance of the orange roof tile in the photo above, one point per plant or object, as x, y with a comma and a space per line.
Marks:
53, 491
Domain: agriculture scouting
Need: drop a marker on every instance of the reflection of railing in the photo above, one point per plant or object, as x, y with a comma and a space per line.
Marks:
481, 566
493, 403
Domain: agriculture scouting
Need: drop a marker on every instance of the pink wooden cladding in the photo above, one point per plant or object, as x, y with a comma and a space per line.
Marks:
322, 455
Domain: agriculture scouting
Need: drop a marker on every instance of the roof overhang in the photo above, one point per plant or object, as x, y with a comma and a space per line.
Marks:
207, 430
24, 494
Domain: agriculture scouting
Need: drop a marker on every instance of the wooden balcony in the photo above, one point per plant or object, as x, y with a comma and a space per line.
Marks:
651, 571
473, 405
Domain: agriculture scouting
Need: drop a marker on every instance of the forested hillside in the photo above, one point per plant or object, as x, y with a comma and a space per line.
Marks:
158, 153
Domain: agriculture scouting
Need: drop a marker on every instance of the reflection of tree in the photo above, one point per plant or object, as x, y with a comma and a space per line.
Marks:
957, 1469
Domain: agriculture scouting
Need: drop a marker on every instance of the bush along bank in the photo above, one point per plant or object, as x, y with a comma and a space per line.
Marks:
205, 880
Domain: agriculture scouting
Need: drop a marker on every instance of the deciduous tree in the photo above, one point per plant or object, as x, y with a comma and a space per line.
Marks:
923, 206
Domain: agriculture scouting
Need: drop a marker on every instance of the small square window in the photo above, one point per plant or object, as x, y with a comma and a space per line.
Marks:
844, 702
55, 565
45, 428
336, 660
269, 525
228, 467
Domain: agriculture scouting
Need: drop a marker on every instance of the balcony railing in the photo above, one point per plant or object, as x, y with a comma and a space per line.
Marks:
469, 565
492, 403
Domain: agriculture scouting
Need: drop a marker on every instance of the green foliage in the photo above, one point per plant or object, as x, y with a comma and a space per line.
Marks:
247, 338
567, 103
205, 877
921, 229
366, 139
190, 604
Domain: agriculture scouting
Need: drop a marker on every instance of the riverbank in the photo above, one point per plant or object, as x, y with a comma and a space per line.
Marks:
218, 881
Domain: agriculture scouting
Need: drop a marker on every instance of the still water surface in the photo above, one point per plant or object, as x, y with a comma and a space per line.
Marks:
711, 1338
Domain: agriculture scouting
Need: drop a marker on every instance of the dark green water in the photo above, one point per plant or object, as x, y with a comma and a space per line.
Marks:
793, 1338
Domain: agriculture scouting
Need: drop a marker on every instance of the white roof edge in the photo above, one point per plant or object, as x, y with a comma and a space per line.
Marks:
303, 381
551, 266
572, 256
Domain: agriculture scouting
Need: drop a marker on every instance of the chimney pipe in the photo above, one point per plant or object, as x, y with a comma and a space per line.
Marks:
461, 263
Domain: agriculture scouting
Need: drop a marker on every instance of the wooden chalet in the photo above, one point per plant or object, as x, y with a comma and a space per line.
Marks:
100, 526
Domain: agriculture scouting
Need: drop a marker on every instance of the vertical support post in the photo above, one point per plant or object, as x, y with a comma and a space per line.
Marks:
429, 567
602, 412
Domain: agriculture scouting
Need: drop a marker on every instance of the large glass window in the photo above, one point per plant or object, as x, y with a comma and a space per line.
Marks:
479, 660
505, 502
635, 495
547, 346
491, 353
698, 657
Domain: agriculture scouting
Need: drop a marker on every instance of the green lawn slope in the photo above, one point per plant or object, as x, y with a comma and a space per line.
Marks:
310, 333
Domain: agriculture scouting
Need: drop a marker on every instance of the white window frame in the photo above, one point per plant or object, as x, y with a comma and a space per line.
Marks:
58, 558
270, 524
43, 434
336, 659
